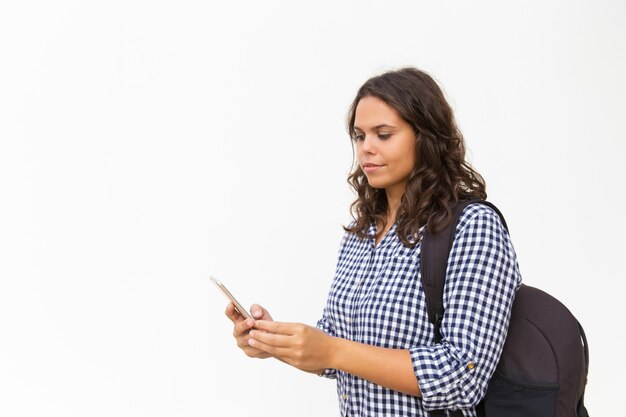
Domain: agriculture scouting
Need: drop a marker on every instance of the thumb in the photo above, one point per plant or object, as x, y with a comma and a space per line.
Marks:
259, 313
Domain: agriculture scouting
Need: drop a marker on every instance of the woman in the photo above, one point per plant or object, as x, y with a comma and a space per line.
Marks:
375, 337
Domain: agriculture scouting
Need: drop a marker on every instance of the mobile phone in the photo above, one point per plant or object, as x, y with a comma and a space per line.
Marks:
227, 293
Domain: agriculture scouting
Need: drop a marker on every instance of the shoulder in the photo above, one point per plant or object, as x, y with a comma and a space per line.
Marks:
480, 216
482, 238
349, 238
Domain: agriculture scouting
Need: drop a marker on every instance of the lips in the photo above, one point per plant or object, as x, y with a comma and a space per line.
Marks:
370, 168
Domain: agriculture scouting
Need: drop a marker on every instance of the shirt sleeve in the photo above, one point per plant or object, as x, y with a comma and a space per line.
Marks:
324, 325
482, 276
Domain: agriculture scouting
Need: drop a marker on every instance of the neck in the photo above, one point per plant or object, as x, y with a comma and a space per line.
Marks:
394, 195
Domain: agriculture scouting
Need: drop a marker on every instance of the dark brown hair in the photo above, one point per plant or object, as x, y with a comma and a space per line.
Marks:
440, 175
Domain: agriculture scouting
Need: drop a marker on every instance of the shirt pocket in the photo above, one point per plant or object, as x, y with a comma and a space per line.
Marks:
397, 281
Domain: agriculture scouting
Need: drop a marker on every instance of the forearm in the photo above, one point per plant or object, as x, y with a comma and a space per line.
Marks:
390, 368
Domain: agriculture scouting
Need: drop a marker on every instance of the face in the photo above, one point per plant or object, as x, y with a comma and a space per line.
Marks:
385, 145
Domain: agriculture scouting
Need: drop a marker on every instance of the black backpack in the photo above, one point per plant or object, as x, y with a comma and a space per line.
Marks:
542, 371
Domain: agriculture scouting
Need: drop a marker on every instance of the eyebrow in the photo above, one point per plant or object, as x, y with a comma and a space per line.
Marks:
375, 127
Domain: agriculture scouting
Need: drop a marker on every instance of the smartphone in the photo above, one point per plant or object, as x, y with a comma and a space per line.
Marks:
227, 293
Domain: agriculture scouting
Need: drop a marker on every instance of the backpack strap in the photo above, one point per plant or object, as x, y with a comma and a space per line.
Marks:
580, 409
435, 250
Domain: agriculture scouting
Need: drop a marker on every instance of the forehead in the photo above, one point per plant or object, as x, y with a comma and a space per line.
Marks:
372, 111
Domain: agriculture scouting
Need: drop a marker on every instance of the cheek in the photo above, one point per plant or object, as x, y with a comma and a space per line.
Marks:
409, 153
410, 161
404, 159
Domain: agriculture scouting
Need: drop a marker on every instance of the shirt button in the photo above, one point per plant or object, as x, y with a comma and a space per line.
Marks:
471, 365
345, 397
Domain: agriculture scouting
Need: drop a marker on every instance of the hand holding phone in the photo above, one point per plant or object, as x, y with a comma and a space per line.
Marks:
227, 293
243, 326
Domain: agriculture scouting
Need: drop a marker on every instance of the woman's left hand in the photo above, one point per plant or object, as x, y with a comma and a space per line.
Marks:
304, 347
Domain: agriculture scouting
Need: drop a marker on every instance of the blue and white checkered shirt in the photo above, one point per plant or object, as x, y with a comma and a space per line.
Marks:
376, 298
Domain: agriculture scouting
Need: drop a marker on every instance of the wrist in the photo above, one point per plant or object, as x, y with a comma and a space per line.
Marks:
335, 349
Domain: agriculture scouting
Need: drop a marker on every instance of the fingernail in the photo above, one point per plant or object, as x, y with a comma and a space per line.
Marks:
251, 342
251, 333
257, 313
250, 323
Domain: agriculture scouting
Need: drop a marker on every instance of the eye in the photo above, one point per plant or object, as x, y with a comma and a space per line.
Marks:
357, 137
384, 136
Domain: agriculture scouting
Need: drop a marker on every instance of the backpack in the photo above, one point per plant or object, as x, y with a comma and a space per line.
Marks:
542, 371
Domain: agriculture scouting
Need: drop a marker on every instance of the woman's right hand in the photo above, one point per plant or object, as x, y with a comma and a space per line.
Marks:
242, 327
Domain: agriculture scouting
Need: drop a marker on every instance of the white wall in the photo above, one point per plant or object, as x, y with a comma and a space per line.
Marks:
145, 145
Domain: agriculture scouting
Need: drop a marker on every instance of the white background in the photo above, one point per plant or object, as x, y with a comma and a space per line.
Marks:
148, 144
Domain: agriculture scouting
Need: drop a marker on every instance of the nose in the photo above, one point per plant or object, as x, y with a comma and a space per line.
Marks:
366, 148
367, 145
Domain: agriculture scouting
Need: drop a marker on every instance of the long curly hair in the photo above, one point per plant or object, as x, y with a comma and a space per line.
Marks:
441, 175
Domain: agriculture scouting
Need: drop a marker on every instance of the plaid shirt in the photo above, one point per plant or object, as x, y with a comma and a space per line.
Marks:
376, 298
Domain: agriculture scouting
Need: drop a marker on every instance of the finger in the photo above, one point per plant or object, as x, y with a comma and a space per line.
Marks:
243, 327
259, 312
276, 327
242, 343
272, 350
254, 353
258, 354
271, 339
232, 313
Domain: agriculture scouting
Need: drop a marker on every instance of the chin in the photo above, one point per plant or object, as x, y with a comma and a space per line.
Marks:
377, 184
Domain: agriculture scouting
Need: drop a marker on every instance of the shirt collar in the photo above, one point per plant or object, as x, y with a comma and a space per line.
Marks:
371, 234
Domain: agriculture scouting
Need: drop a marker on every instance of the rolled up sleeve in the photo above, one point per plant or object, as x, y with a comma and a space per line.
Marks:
324, 325
481, 279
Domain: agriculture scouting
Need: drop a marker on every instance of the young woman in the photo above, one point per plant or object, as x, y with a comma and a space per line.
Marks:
374, 337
